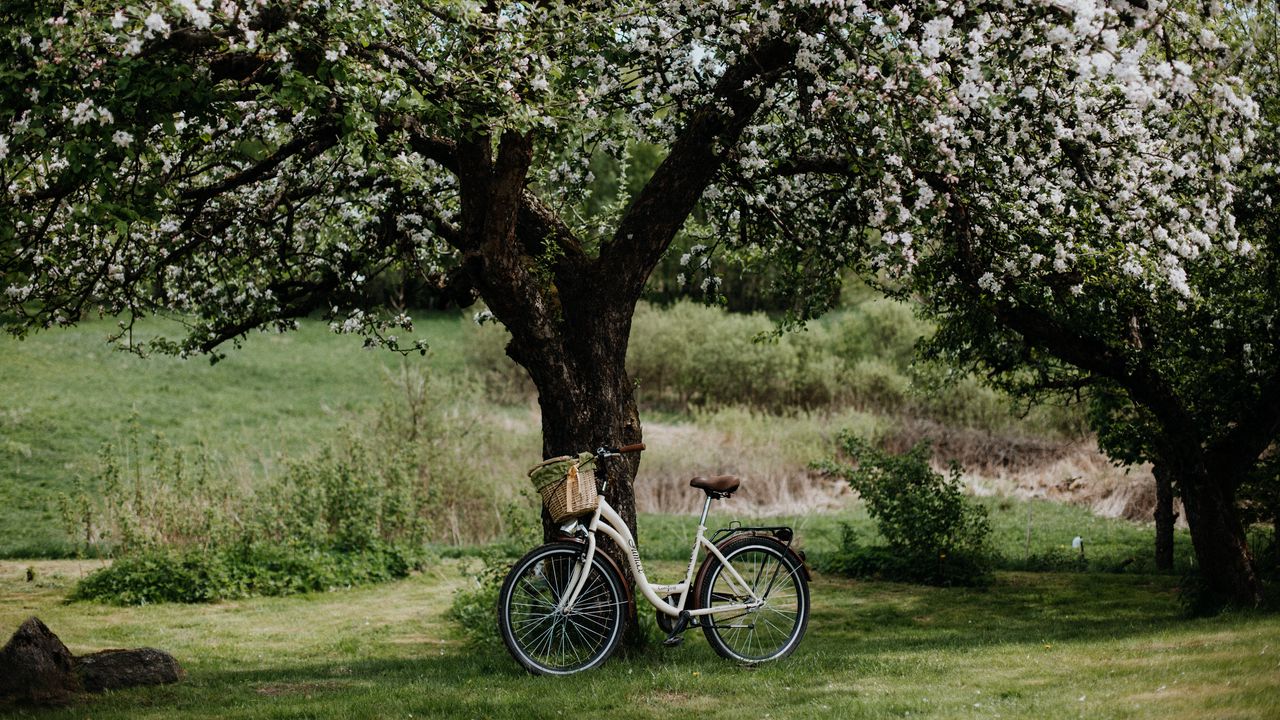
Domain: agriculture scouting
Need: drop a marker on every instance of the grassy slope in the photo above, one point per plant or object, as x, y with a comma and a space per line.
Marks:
1034, 645
64, 393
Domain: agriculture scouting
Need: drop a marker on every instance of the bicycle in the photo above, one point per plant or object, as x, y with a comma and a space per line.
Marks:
563, 606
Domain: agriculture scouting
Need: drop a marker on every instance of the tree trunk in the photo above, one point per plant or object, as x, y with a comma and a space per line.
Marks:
1222, 552
587, 399
1165, 518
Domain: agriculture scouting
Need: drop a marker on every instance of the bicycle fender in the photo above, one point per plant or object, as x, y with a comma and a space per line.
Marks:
727, 544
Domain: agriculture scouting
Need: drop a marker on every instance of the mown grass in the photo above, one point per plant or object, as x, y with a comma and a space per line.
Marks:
1033, 645
65, 393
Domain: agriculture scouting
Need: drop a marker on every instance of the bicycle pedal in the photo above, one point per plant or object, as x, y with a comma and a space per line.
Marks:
673, 640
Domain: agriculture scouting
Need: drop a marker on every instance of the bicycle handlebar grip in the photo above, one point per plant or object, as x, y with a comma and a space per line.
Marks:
637, 447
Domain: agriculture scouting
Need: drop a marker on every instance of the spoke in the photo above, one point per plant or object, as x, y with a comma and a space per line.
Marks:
561, 640
545, 636
531, 630
534, 592
755, 634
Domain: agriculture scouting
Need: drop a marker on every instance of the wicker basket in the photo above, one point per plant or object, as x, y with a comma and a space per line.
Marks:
573, 496
574, 493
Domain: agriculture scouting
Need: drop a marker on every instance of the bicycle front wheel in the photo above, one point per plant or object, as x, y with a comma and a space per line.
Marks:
547, 640
764, 567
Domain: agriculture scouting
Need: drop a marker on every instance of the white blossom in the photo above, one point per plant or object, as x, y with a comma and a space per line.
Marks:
156, 25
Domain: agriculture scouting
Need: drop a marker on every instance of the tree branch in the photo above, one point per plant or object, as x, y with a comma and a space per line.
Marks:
662, 206
308, 146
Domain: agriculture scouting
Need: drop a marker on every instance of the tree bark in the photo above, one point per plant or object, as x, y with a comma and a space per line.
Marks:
569, 325
1222, 551
1165, 518
587, 398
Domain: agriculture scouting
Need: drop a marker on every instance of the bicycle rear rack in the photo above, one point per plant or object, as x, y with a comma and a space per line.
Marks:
782, 533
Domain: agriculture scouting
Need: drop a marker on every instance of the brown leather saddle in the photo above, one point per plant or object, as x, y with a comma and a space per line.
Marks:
716, 486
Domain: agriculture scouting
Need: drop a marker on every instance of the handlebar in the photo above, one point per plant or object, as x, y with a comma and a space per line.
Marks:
606, 451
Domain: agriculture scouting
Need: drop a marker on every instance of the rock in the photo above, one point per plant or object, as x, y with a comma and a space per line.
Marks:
36, 668
115, 669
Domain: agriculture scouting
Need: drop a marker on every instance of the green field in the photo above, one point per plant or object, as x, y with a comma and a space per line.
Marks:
65, 393
1033, 645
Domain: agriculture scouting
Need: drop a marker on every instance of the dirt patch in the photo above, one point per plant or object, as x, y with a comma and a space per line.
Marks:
43, 569
306, 688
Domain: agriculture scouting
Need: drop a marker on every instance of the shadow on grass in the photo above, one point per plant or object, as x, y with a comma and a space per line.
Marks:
1018, 608
857, 629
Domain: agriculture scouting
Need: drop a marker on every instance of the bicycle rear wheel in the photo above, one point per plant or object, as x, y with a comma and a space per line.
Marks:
545, 640
769, 631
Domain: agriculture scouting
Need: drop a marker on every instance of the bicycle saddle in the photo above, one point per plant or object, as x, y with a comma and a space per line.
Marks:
719, 486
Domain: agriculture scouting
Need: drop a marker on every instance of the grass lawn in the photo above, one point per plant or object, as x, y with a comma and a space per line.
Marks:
1042, 645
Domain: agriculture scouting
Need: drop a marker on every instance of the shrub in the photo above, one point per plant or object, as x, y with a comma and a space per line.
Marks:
357, 512
874, 383
878, 329
933, 533
257, 569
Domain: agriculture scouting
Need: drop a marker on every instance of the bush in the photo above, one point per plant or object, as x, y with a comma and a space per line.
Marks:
258, 569
356, 513
933, 533
878, 329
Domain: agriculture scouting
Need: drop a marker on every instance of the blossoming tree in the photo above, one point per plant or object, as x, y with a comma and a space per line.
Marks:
240, 164
1086, 204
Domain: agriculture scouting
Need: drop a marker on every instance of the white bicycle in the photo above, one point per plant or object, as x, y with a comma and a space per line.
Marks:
563, 607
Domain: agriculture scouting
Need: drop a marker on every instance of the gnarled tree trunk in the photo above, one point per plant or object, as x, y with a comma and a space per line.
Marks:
1222, 551
587, 399
569, 313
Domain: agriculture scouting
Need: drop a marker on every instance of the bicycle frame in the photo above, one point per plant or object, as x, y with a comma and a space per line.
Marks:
606, 520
